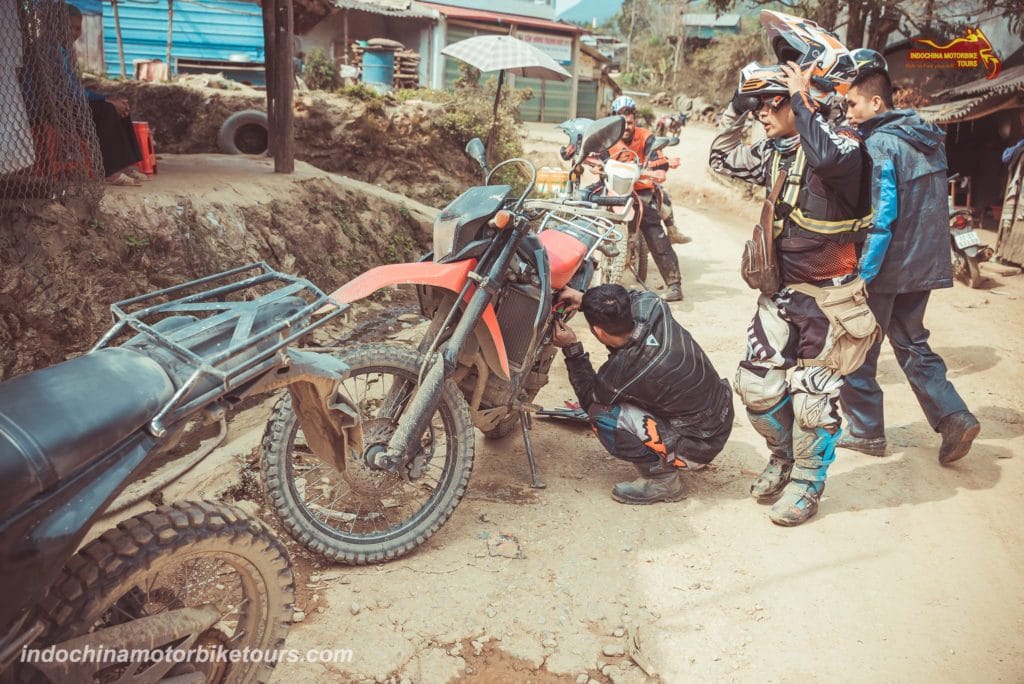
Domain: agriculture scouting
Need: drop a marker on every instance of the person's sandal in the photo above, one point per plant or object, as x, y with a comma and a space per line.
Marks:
133, 172
122, 180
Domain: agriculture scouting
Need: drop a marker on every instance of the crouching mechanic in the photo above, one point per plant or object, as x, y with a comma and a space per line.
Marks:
657, 402
790, 378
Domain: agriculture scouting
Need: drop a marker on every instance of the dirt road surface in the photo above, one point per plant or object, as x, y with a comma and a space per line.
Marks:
910, 571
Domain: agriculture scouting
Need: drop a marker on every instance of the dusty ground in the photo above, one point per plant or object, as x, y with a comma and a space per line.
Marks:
910, 572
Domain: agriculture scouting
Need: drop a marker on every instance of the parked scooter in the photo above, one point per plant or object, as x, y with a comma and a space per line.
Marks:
489, 289
967, 250
187, 576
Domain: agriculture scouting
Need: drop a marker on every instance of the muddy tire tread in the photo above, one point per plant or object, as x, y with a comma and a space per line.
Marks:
99, 571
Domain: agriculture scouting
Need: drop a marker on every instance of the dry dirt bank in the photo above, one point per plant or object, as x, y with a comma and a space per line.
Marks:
399, 145
200, 214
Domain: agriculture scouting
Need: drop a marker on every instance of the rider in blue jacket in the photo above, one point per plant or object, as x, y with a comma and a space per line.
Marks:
904, 257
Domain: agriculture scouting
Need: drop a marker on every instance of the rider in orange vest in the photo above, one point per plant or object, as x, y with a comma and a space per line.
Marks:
634, 139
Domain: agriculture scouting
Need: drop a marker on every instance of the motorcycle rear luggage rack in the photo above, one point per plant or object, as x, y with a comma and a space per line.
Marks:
242, 313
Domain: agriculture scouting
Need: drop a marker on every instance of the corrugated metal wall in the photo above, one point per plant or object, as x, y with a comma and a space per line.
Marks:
454, 35
550, 102
208, 29
586, 99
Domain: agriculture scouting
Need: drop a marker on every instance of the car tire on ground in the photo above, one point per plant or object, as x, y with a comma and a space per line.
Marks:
245, 132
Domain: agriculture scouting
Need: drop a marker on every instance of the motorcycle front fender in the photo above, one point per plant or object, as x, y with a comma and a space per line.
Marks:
329, 419
447, 276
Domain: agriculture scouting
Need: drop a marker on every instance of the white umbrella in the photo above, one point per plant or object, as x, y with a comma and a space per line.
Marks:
505, 53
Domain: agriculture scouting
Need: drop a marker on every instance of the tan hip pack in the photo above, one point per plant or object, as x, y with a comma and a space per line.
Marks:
852, 330
760, 264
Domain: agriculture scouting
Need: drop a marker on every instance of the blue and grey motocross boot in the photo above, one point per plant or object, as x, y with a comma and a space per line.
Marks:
815, 449
776, 426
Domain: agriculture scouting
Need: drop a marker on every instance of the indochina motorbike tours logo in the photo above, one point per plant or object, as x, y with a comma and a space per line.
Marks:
968, 51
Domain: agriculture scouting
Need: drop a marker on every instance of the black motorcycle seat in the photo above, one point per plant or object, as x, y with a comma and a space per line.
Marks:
57, 420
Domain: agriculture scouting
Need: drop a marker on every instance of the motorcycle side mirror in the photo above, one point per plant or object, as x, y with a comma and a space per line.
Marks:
575, 128
649, 146
655, 144
600, 135
477, 152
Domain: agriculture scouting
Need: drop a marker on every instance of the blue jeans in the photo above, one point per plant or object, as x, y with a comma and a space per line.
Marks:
902, 319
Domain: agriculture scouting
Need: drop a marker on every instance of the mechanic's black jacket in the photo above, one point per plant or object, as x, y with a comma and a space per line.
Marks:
661, 370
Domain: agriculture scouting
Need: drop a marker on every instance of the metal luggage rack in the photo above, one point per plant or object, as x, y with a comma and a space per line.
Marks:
241, 313
597, 226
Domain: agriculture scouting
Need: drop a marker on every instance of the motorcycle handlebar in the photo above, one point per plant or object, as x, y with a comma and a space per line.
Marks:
611, 201
578, 207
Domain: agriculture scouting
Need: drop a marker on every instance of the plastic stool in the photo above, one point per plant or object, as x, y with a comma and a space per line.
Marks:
145, 138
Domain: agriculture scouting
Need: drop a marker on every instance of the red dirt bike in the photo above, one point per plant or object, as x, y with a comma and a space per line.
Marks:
619, 175
671, 124
489, 290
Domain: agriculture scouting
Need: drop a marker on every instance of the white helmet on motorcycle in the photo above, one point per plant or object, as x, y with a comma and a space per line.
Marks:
812, 47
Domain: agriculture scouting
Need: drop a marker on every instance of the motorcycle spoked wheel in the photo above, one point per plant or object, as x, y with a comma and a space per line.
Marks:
966, 269
609, 269
364, 514
637, 259
187, 554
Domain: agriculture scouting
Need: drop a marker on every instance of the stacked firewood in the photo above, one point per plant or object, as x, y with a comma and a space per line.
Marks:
407, 69
355, 55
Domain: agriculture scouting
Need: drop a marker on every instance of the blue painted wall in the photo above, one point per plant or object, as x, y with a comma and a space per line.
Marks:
88, 6
203, 29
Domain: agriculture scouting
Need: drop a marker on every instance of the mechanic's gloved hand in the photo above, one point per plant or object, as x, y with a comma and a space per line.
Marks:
741, 104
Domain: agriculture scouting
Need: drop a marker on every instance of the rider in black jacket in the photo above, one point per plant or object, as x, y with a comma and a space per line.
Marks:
657, 402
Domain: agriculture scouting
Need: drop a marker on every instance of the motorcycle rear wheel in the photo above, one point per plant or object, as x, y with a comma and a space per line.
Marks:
371, 515
610, 268
178, 556
966, 269
638, 252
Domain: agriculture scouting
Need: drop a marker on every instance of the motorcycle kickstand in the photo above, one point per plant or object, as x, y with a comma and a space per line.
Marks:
526, 423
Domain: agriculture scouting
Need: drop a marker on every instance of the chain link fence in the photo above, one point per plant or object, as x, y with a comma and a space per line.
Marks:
48, 145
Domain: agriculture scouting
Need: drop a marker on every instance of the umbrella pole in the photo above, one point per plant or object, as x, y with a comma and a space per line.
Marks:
494, 113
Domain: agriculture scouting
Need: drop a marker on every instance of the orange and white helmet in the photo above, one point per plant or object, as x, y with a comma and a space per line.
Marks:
809, 45
762, 81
